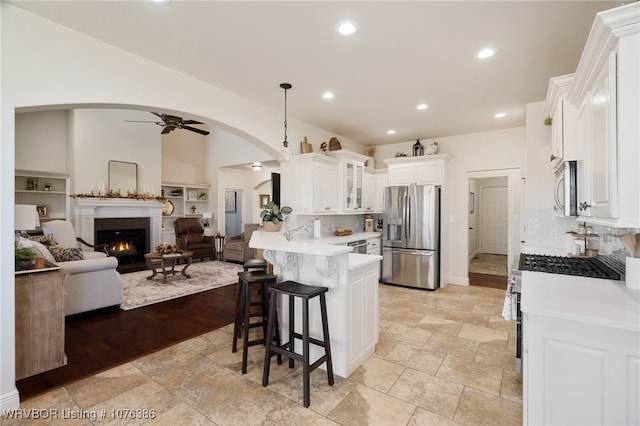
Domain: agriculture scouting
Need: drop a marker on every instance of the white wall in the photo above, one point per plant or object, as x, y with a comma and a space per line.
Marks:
42, 140
184, 156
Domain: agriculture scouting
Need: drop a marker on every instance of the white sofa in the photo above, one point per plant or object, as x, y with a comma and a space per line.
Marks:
89, 284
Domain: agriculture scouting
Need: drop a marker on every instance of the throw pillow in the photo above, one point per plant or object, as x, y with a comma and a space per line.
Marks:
65, 254
45, 240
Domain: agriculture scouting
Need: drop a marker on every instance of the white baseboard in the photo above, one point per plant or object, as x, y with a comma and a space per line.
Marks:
458, 280
9, 401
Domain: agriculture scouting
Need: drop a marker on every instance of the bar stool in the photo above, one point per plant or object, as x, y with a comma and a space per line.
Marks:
252, 264
244, 313
305, 292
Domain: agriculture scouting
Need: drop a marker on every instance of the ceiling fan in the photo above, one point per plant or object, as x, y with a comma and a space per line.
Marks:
172, 122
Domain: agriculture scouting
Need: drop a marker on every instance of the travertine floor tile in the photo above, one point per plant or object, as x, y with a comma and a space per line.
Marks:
445, 344
377, 373
181, 415
106, 385
443, 357
324, 397
364, 406
416, 358
471, 373
479, 408
146, 399
422, 417
424, 390
482, 334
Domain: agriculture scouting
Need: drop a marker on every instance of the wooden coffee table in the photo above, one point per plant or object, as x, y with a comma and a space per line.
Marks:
164, 261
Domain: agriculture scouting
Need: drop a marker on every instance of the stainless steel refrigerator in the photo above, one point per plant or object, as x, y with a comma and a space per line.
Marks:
411, 239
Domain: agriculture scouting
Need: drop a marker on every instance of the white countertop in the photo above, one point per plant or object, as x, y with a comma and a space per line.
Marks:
359, 260
596, 301
277, 241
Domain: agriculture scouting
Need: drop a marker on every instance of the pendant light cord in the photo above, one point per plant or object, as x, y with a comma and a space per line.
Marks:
285, 86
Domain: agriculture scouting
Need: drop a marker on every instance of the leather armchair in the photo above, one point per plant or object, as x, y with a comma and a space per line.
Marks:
190, 237
237, 249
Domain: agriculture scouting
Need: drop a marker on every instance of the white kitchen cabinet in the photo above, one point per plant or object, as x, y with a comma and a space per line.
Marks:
422, 170
373, 245
314, 183
563, 114
578, 373
363, 317
351, 179
606, 90
369, 191
381, 184
581, 351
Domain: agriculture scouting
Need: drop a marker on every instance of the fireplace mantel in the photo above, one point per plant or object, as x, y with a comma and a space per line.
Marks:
88, 209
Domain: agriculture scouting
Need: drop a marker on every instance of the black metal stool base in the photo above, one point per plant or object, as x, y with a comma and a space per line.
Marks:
305, 292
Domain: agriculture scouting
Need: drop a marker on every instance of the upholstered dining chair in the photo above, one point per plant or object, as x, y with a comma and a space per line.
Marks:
190, 237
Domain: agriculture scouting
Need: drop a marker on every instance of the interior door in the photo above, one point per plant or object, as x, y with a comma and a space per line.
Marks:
494, 220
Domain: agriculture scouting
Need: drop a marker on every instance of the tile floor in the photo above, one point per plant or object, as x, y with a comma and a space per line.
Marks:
492, 264
443, 358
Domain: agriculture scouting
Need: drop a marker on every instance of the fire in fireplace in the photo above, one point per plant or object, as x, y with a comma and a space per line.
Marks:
126, 238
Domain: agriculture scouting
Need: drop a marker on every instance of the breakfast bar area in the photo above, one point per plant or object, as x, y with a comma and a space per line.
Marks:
352, 299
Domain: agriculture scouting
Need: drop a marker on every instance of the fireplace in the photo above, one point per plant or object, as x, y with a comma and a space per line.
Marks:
128, 239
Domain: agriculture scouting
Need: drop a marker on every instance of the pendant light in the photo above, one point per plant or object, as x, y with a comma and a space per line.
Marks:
286, 153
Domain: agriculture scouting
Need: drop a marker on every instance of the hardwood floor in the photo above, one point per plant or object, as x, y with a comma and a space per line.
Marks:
99, 340
487, 280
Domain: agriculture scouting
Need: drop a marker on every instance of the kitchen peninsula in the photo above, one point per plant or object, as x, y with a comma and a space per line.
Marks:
352, 299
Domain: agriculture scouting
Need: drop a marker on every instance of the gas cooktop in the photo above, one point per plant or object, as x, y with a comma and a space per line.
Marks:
600, 267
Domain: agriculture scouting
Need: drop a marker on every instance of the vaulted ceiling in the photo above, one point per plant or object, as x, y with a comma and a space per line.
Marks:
403, 54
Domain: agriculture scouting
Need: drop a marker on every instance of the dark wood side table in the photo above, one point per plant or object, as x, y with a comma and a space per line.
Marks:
39, 321
219, 245
155, 260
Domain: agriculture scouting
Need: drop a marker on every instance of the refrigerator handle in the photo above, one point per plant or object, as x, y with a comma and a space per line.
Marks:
408, 215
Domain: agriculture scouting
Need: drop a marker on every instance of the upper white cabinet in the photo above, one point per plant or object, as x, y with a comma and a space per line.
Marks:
606, 92
351, 177
369, 188
563, 123
416, 170
313, 179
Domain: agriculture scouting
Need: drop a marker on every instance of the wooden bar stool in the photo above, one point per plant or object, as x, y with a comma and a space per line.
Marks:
244, 312
252, 264
305, 292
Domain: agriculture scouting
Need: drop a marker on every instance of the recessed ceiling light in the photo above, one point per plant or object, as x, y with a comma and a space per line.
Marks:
485, 53
327, 95
500, 115
422, 107
256, 166
346, 28
161, 1
391, 132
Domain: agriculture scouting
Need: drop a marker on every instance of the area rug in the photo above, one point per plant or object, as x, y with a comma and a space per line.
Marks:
139, 291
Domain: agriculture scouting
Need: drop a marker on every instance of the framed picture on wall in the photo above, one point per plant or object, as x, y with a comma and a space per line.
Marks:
264, 199
230, 201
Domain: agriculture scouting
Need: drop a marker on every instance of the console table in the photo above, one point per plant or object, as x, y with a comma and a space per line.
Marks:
39, 321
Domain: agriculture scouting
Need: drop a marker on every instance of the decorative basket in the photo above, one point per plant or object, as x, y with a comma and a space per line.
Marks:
342, 232
272, 227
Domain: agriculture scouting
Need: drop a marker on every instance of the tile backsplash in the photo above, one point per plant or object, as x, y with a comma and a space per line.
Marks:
330, 223
546, 233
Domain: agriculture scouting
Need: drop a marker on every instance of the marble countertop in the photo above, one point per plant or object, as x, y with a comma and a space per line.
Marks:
346, 239
277, 241
596, 301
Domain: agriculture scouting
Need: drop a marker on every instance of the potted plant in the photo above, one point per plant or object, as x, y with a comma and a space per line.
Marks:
273, 215
25, 258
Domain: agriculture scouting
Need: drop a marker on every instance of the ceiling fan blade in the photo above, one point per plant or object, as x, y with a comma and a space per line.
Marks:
191, 122
160, 116
193, 129
166, 130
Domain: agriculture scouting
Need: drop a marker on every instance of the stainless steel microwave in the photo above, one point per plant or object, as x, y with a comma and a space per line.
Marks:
566, 189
